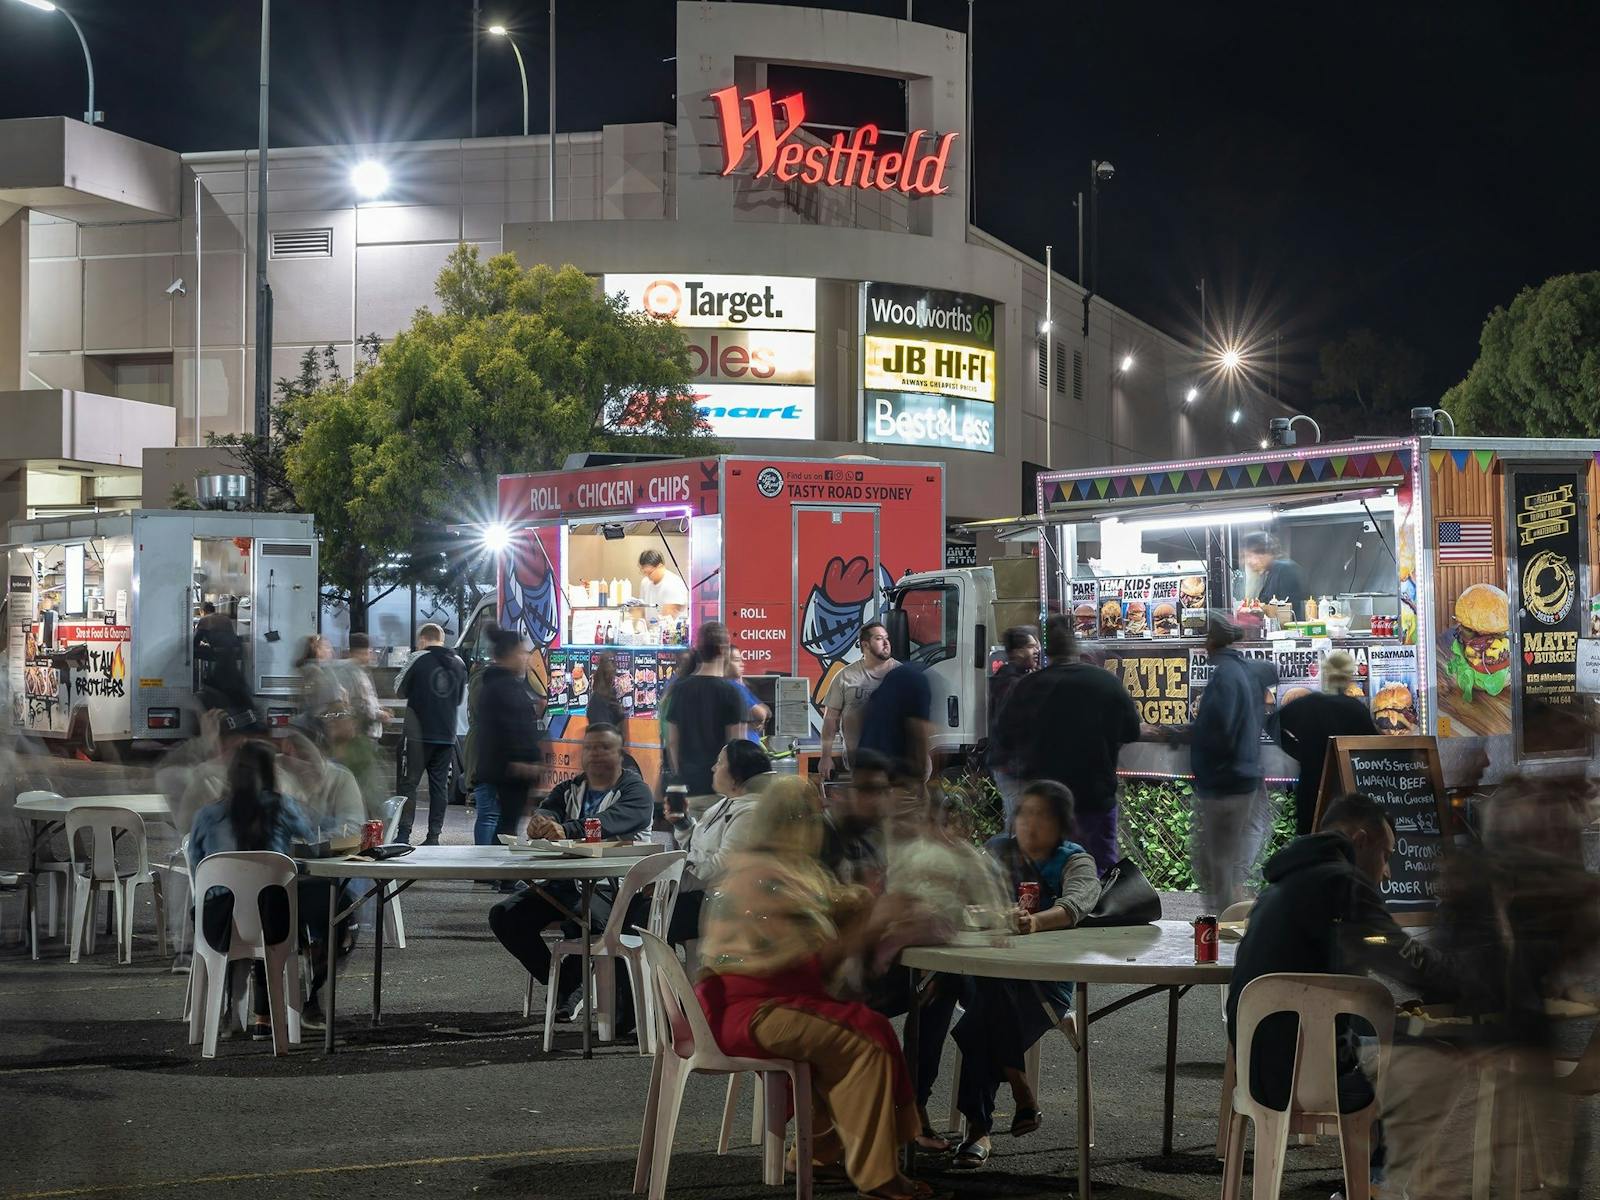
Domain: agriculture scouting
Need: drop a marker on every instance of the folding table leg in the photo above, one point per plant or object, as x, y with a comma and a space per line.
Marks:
377, 958
913, 1035
1172, 1069
1081, 997
586, 889
330, 986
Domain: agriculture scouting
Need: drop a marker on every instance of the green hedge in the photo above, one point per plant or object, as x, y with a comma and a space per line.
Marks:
1155, 818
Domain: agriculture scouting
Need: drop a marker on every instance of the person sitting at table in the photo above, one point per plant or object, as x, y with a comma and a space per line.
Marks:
1005, 1017
622, 803
253, 814
776, 928
741, 773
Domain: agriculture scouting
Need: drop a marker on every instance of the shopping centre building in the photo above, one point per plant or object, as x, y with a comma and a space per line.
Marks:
836, 297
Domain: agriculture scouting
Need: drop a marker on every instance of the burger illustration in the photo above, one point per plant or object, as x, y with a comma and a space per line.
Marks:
1085, 619
1164, 621
1393, 710
1192, 591
1134, 621
1110, 618
1480, 652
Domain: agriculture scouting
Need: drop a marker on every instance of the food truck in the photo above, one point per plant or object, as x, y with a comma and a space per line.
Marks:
793, 555
102, 613
1459, 572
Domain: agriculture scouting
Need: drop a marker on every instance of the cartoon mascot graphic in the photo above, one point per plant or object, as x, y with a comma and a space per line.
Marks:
530, 604
839, 604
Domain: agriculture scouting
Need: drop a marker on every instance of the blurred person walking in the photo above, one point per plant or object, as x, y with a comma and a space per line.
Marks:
510, 744
354, 673
1068, 723
1230, 799
433, 685
846, 704
742, 772
320, 688
706, 714
755, 712
1021, 644
1304, 726
897, 724
605, 705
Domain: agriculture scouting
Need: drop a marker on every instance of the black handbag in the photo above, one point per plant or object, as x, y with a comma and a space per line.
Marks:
1126, 898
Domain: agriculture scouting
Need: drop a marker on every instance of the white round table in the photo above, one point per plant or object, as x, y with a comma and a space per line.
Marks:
48, 806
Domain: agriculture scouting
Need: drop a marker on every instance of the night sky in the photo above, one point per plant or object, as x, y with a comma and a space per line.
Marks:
1403, 168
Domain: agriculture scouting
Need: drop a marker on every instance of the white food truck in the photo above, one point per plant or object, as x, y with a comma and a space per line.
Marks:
101, 615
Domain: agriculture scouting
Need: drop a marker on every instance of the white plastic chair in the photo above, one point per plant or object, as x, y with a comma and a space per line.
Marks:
102, 875
1239, 911
245, 873
1318, 1001
664, 869
179, 899
51, 873
687, 1047
28, 920
394, 921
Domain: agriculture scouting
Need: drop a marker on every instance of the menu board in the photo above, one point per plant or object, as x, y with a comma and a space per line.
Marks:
1402, 774
1299, 671
1549, 614
1085, 608
1392, 679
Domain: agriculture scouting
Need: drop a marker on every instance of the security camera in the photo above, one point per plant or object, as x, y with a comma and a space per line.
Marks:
1104, 170
176, 288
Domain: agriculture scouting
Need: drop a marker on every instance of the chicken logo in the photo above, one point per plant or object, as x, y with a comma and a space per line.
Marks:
839, 604
531, 594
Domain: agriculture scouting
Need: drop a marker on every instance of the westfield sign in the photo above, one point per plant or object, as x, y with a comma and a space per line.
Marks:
848, 161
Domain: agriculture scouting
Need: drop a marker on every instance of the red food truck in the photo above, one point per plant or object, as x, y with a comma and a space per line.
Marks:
791, 554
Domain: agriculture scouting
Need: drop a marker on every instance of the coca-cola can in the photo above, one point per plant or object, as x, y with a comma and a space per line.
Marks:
1205, 939
1028, 897
371, 834
591, 829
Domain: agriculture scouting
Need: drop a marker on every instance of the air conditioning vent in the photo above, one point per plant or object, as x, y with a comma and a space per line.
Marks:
1061, 370
300, 243
1044, 362
1077, 375
285, 549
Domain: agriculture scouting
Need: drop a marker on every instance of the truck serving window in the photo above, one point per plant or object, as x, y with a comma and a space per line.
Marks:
932, 614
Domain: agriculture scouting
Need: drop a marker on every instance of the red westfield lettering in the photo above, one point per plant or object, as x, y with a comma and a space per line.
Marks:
853, 161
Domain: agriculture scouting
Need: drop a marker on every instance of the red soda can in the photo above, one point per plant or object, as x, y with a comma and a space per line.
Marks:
1028, 897
371, 834
1205, 939
591, 829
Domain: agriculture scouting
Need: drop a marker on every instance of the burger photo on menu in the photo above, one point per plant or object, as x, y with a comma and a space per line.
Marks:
1085, 619
1134, 621
1192, 591
1110, 618
1480, 649
1394, 710
1164, 620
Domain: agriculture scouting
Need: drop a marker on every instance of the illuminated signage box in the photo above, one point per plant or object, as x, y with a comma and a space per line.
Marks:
752, 346
929, 369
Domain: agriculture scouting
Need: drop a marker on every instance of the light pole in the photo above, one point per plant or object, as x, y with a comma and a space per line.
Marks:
1098, 170
263, 380
91, 115
500, 31
1049, 358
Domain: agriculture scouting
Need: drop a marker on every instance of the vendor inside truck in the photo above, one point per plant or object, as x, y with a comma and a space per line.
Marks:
1277, 576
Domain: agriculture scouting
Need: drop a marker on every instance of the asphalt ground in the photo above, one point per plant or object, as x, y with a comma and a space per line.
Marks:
453, 1096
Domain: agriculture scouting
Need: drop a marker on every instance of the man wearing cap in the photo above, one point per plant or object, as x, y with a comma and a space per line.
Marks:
1306, 724
1231, 819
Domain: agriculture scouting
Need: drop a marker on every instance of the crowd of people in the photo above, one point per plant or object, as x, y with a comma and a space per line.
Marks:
797, 898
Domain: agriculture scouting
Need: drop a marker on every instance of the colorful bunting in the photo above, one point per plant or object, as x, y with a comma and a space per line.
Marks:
1485, 459
1459, 457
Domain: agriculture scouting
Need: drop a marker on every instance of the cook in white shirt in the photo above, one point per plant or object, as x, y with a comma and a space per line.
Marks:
660, 588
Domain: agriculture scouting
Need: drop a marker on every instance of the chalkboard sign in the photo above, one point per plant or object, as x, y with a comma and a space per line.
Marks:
1403, 775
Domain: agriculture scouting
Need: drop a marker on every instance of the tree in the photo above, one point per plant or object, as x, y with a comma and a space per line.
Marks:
1538, 368
517, 370
1366, 383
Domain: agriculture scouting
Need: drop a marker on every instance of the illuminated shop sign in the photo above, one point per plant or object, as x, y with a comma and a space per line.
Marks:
850, 160
752, 346
929, 369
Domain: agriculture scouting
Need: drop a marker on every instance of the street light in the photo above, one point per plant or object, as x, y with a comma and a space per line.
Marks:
500, 31
1191, 395
1231, 359
91, 116
370, 179
1127, 363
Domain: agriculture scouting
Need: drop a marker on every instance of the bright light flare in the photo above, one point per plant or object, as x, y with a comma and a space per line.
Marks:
1191, 395
1236, 415
41, 5
498, 30
370, 179
496, 538
1127, 362
1231, 359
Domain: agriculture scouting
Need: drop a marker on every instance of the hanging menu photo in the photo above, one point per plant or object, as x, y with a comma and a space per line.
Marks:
1403, 775
1549, 616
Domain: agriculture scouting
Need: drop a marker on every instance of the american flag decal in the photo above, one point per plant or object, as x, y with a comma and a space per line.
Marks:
1470, 541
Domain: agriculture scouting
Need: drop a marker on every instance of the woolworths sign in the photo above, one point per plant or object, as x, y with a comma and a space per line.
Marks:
929, 370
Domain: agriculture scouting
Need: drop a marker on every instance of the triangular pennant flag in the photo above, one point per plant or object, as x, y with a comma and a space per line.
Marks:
1175, 478
1373, 470
1436, 458
1100, 485
1084, 486
1254, 471
1215, 475
1359, 464
1459, 457
1403, 458
1138, 485
1485, 459
1339, 465
1296, 465
1385, 461
1156, 482
1233, 476
1122, 485
1275, 471
1194, 480
1317, 466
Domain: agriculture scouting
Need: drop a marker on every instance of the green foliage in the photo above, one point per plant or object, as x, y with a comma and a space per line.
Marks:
1156, 817
1538, 368
516, 371
179, 498
1366, 384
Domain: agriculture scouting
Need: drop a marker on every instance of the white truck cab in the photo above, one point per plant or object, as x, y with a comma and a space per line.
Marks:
946, 621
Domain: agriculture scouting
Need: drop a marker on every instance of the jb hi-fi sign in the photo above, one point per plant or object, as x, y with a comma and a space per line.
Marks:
850, 160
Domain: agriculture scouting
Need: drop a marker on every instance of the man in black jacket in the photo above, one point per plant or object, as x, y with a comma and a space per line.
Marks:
433, 684
1069, 723
624, 806
1322, 913
509, 752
